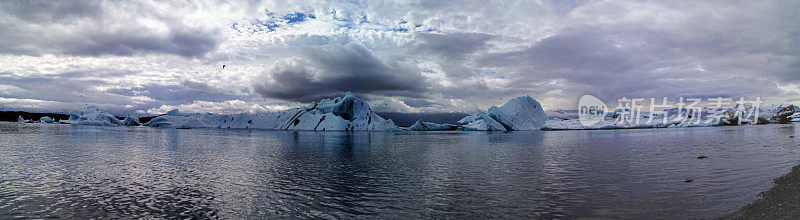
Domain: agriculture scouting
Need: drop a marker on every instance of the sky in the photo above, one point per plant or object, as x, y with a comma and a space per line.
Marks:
148, 57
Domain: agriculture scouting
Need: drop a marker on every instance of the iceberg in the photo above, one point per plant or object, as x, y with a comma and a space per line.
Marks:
22, 120
481, 122
46, 119
795, 117
429, 126
724, 117
346, 113
174, 112
131, 121
518, 114
91, 116
785, 115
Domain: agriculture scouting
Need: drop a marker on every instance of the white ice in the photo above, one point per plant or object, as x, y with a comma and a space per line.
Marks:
480, 122
22, 120
346, 113
91, 116
46, 119
429, 126
131, 121
521, 113
717, 119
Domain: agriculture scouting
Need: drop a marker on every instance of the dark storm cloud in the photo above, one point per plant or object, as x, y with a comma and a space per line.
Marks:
335, 69
89, 28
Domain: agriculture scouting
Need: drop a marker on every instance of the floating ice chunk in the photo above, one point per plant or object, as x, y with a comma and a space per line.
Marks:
481, 122
174, 112
131, 121
171, 121
795, 117
521, 113
428, 126
46, 119
91, 116
22, 120
784, 114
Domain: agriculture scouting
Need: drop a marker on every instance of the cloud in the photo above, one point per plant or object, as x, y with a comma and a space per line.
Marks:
334, 69
91, 28
42, 11
426, 56
453, 46
656, 50
226, 107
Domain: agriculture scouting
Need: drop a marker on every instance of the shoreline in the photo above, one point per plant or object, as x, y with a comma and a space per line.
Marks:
782, 201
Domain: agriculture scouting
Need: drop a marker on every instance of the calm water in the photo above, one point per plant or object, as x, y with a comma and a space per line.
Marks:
87, 172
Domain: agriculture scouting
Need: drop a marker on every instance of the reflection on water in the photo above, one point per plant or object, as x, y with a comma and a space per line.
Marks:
98, 172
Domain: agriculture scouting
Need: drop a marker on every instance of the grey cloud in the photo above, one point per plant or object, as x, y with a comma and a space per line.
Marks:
65, 87
335, 69
704, 59
185, 43
45, 11
58, 27
453, 46
416, 102
175, 94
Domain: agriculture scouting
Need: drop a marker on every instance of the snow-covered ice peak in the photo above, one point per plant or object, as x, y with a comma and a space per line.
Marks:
521, 113
348, 107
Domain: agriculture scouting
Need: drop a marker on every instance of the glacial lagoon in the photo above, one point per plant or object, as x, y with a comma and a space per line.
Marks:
73, 171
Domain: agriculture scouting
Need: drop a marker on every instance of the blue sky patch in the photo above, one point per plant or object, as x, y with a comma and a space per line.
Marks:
296, 17
272, 22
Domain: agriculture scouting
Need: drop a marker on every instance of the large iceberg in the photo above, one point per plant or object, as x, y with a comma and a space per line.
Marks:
521, 113
91, 116
346, 113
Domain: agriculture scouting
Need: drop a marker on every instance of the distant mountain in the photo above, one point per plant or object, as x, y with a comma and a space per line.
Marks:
12, 115
408, 119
